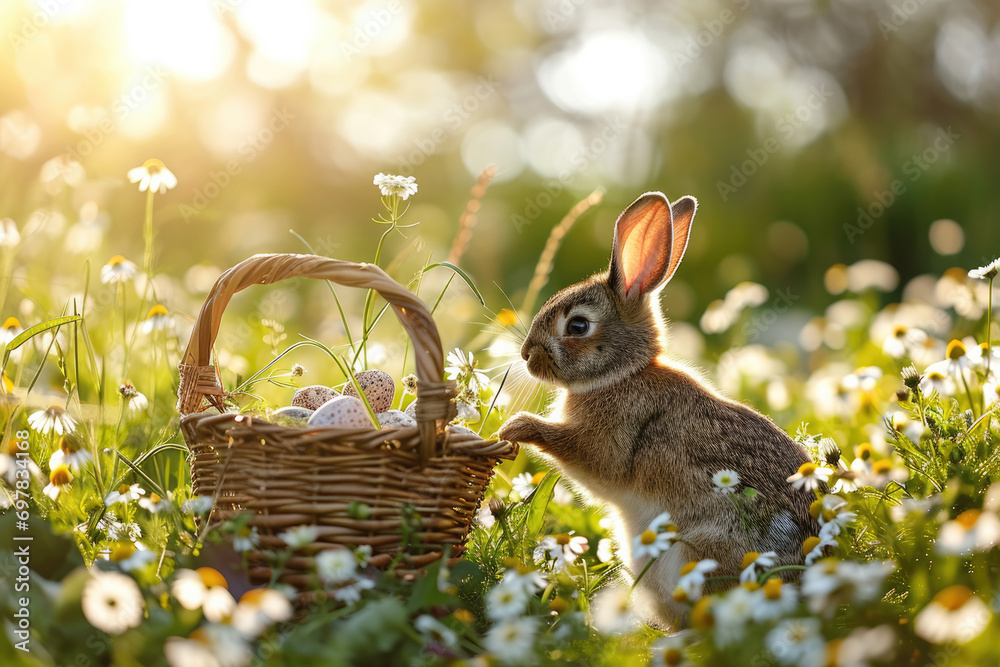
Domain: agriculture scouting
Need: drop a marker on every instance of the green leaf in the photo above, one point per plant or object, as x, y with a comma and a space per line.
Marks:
539, 501
31, 332
462, 274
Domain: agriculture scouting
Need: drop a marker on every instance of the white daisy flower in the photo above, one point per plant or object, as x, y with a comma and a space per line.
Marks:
259, 609
299, 536
335, 566
118, 270
211, 645
988, 272
863, 646
153, 175
814, 547
523, 484
118, 530
752, 561
955, 614
935, 381
158, 319
731, 614
205, 589
972, 530
197, 506
669, 652
512, 641
390, 185
833, 516
124, 494
774, 600
352, 593
245, 539
956, 364
507, 600
52, 419
726, 481
617, 610
810, 476
692, 579
561, 549
464, 367
484, 517
531, 581
902, 341
69, 454
132, 556
797, 641
605, 550
435, 631
155, 503
59, 481
135, 400
112, 601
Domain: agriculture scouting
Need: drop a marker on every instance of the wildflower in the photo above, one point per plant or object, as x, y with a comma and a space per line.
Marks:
134, 399
245, 539
435, 631
955, 614
913, 429
484, 517
507, 600
561, 549
513, 640
520, 576
726, 481
131, 556
335, 566
902, 340
774, 600
363, 554
112, 602
668, 652
154, 176
400, 186
352, 593
124, 494
11, 329
863, 645
605, 550
522, 485
809, 476
259, 609
813, 546
972, 530
70, 453
298, 370
616, 610
118, 530
213, 644
797, 641
53, 418
988, 272
59, 479
833, 516
410, 384
465, 369
9, 236
752, 560
118, 270
656, 539
198, 505
731, 615
911, 378
205, 589
692, 579
158, 319
299, 536
935, 381
829, 451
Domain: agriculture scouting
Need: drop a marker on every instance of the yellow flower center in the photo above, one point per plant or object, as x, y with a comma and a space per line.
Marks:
506, 317
60, 476
464, 616
11, 323
701, 614
116, 260
751, 586
647, 537
199, 635
968, 518
749, 559
807, 469
810, 544
212, 577
157, 310
155, 497
562, 539
12, 448
899, 331
815, 508
935, 376
882, 467
122, 551
537, 478
672, 657
865, 451
253, 596
953, 598
688, 567
123, 489
772, 588
956, 350
680, 595
153, 166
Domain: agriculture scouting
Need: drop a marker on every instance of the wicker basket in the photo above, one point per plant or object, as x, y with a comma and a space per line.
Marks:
295, 476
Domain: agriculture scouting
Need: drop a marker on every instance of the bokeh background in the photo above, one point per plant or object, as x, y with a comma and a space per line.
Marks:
814, 133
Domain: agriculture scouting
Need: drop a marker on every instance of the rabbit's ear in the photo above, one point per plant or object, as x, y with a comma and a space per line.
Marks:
643, 244
682, 211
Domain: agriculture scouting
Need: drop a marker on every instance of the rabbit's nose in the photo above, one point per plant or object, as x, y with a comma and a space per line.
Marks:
525, 352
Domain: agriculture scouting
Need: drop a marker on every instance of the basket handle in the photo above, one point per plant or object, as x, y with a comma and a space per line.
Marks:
199, 379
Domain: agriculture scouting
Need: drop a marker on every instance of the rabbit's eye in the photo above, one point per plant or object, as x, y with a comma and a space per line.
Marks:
578, 326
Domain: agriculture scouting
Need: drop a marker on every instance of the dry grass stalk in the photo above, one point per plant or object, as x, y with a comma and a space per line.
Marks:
470, 215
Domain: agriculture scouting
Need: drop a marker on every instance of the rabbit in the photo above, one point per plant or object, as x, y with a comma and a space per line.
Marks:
643, 434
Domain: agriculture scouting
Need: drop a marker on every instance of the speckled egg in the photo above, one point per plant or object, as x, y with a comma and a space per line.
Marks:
411, 409
293, 412
313, 397
378, 387
461, 430
342, 412
395, 419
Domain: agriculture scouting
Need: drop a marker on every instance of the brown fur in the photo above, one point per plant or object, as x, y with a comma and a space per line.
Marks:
643, 435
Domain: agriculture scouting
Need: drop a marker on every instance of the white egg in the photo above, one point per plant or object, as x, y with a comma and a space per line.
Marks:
342, 412
313, 397
293, 411
395, 419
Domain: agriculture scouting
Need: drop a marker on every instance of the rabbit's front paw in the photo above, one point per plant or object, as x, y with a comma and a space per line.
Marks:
522, 427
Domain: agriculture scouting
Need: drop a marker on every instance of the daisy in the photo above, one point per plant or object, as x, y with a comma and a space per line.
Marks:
155, 503
118, 270
561, 549
935, 381
484, 517
955, 614
245, 539
902, 340
988, 272
211, 645
829, 451
124, 494
466, 369
52, 419
112, 602
726, 481
69, 454
774, 600
434, 631
530, 581
864, 645
972, 530
512, 641
809, 476
605, 550
259, 609
11, 329
198, 505
668, 652
523, 484
117, 530
131, 556
797, 641
731, 614
59, 480
335, 566
616, 610
154, 176
957, 362
299, 536
158, 319
833, 516
752, 560
135, 400
390, 185
507, 600
692, 579
813, 547
205, 589
352, 593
